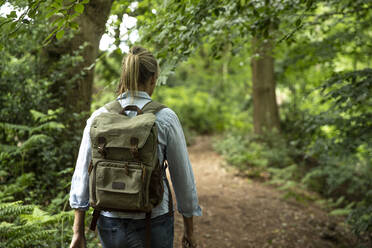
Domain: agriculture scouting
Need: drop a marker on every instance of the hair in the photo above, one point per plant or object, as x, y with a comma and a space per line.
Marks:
137, 68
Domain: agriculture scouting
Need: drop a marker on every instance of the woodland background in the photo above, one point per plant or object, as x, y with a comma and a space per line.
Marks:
285, 86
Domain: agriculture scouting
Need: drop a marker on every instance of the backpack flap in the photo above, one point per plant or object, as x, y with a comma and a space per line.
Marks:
120, 131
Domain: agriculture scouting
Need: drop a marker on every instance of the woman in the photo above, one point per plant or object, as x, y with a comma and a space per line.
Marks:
117, 229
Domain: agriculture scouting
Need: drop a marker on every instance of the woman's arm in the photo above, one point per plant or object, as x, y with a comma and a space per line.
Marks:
181, 174
188, 234
79, 192
78, 238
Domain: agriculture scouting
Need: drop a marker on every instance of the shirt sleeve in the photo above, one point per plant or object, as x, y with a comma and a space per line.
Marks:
79, 192
180, 169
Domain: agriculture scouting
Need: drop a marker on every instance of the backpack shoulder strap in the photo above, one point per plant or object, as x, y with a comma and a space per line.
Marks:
153, 107
113, 107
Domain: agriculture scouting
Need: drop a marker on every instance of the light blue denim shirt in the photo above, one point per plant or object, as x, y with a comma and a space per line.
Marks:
171, 141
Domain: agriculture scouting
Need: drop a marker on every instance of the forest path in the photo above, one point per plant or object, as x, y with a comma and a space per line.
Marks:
241, 213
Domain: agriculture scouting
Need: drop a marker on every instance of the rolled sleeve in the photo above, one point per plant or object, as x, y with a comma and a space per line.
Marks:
180, 169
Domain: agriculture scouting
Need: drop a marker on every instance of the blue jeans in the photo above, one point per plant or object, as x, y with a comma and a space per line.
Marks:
130, 233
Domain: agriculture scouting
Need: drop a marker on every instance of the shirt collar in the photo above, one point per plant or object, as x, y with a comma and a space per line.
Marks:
138, 94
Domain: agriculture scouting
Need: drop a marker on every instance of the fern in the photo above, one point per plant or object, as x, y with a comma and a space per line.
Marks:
34, 141
26, 226
35, 135
48, 126
8, 148
42, 118
14, 127
13, 209
10, 191
34, 236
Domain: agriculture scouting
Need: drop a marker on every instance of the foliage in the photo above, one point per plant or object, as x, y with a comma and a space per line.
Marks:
220, 23
361, 216
29, 226
61, 12
24, 226
27, 147
197, 110
39, 136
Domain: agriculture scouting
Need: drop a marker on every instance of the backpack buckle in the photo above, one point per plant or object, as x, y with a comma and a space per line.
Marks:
102, 146
134, 147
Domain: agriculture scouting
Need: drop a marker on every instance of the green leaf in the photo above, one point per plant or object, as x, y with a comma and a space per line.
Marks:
32, 13
13, 25
51, 13
74, 25
309, 4
34, 141
85, 1
45, 41
79, 8
298, 22
60, 34
12, 14
38, 216
49, 126
340, 211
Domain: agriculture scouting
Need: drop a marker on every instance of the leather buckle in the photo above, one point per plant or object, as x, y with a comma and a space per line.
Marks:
102, 146
134, 147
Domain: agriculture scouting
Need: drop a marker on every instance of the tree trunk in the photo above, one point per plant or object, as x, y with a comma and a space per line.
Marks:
265, 108
78, 93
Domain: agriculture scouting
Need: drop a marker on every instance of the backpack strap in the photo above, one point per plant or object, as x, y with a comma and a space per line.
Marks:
153, 107
95, 216
114, 107
170, 200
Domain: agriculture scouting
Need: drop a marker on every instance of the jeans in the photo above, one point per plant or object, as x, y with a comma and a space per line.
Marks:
131, 233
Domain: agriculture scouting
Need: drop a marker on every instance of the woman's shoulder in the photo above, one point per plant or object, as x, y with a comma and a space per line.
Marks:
167, 116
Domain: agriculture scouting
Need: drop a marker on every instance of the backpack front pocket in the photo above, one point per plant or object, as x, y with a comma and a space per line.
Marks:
119, 185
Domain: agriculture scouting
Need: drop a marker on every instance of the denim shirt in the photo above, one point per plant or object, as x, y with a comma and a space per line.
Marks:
171, 141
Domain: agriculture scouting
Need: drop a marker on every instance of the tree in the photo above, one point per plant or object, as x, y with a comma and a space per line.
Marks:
265, 108
91, 28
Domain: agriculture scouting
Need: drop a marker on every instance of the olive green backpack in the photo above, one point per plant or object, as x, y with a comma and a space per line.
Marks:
125, 173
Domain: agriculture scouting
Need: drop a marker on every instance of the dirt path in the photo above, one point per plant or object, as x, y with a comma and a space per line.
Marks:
241, 213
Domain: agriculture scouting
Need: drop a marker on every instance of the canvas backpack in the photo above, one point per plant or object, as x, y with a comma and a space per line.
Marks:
125, 173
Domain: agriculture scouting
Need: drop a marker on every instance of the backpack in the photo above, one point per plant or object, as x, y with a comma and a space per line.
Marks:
125, 173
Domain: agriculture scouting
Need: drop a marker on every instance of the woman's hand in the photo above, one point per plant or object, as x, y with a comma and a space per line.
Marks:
78, 241
189, 242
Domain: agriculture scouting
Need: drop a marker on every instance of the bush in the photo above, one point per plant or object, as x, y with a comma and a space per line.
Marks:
29, 226
196, 110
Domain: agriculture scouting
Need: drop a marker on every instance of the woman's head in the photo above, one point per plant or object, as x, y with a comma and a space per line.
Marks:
139, 71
